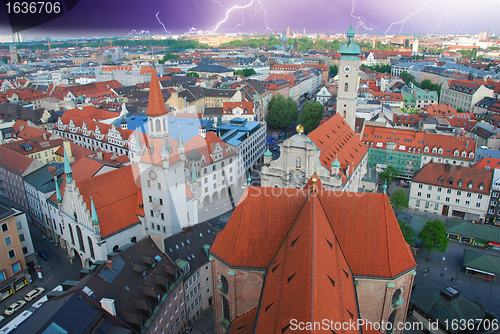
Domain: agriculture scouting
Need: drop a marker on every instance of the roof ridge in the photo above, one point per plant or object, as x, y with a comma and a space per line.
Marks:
245, 202
313, 233
387, 232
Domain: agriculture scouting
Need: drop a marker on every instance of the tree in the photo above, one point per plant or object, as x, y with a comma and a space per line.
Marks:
399, 201
433, 236
282, 112
245, 72
407, 77
311, 115
408, 233
388, 175
334, 70
168, 56
193, 75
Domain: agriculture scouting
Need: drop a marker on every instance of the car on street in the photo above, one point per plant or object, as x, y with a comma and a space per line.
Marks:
2, 318
15, 307
33, 294
43, 255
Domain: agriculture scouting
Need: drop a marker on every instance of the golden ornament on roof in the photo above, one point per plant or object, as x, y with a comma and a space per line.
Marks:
300, 128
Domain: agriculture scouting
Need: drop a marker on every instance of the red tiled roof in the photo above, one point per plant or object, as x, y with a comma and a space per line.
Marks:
432, 172
77, 151
407, 140
13, 161
205, 146
156, 105
450, 144
264, 216
246, 106
309, 278
491, 163
335, 138
91, 112
61, 91
115, 209
85, 168
440, 110
244, 324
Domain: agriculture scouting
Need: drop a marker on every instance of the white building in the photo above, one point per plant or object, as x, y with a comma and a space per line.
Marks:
448, 190
332, 151
323, 96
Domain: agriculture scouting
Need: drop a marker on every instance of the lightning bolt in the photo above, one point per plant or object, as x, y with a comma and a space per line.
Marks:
168, 32
135, 32
442, 16
192, 29
242, 8
360, 22
402, 22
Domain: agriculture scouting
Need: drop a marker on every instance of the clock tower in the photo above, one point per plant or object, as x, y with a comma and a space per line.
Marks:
349, 63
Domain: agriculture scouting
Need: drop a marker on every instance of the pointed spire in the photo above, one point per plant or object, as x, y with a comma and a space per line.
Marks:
164, 150
156, 104
336, 162
249, 180
137, 146
95, 220
58, 191
194, 178
67, 168
180, 143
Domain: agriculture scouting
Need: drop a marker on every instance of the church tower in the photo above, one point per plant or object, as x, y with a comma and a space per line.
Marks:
156, 112
349, 63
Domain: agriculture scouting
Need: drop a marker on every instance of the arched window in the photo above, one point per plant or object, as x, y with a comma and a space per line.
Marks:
345, 114
91, 247
80, 238
71, 234
164, 125
150, 125
346, 87
224, 286
395, 296
115, 249
225, 309
392, 320
134, 240
158, 126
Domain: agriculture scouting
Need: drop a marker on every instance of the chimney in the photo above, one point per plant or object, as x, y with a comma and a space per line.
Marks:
109, 305
109, 264
67, 146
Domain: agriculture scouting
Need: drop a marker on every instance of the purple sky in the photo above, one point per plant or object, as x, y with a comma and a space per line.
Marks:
119, 17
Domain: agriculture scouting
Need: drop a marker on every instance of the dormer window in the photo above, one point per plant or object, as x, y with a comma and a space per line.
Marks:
460, 183
471, 155
481, 186
426, 149
470, 184
441, 179
455, 153
464, 155
440, 151
450, 181
434, 150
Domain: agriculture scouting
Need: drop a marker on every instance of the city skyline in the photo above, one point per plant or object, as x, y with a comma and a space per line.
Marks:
91, 18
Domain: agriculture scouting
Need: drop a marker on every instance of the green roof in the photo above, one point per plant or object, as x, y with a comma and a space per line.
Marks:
181, 263
268, 153
483, 262
429, 301
421, 94
476, 231
409, 99
416, 223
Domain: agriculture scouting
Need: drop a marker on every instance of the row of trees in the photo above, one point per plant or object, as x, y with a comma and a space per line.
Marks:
282, 112
379, 68
425, 84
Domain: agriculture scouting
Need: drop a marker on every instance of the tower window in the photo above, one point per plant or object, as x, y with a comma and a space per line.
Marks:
346, 87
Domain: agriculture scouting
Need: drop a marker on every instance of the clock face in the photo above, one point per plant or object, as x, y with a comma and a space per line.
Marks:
347, 69
152, 175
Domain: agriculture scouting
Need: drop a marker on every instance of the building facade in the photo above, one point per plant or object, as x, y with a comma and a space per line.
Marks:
454, 191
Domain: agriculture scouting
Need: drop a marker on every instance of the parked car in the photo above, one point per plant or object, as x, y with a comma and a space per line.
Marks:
43, 255
2, 318
15, 307
33, 294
